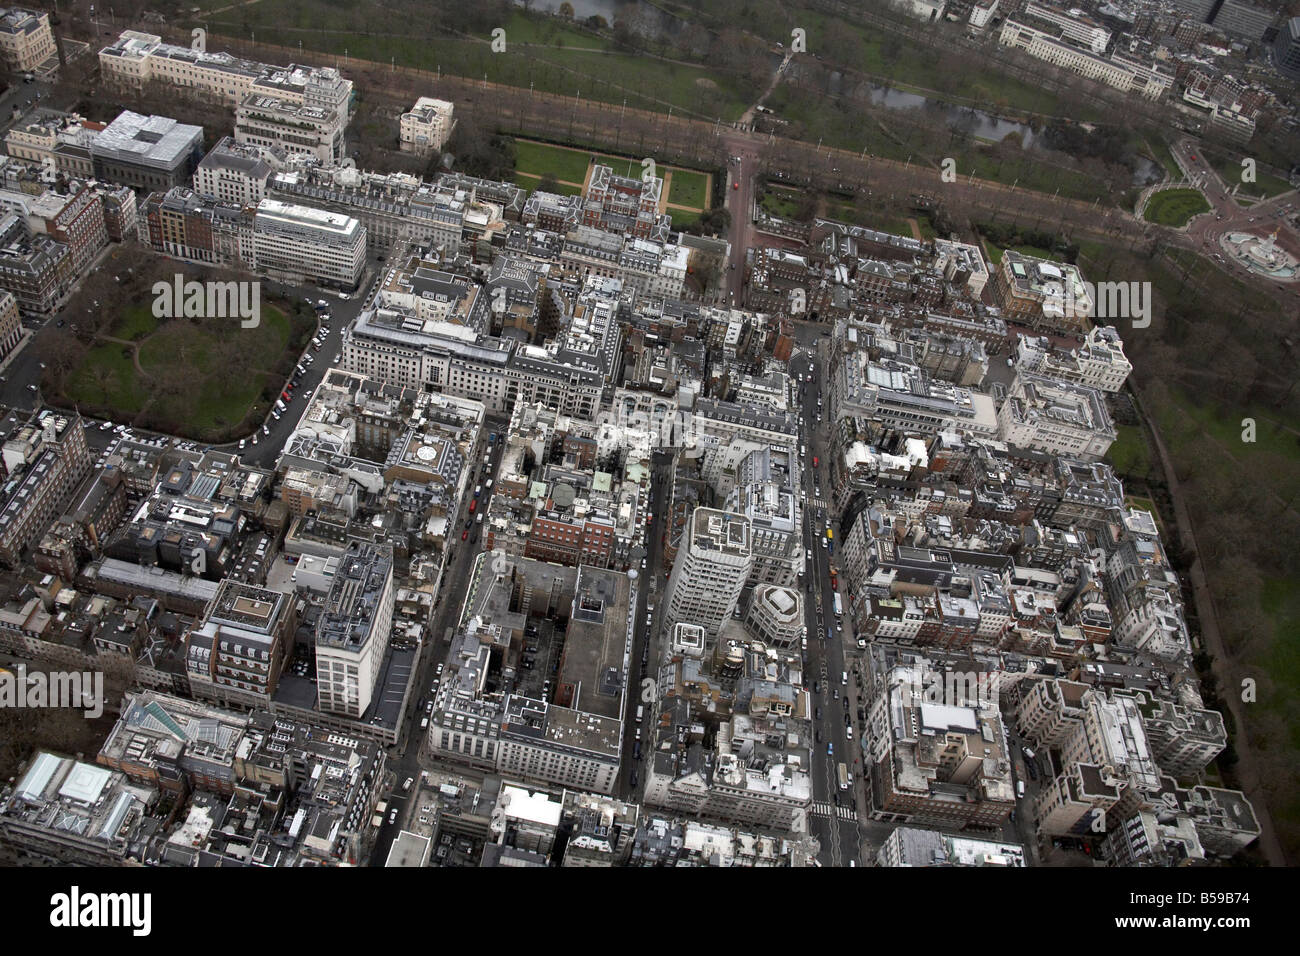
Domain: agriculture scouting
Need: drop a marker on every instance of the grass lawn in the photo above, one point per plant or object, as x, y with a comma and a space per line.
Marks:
534, 159
1281, 602
1229, 168
1038, 252
689, 189
538, 159
682, 217
226, 368
541, 50
1174, 207
782, 203
116, 383
135, 323
1129, 454
911, 65
531, 182
881, 222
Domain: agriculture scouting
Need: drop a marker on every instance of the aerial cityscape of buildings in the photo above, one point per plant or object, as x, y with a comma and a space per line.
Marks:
559, 558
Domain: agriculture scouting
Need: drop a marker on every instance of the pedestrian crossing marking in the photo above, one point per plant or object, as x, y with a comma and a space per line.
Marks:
823, 809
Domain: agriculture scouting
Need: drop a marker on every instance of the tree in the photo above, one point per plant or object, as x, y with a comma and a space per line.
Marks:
566, 10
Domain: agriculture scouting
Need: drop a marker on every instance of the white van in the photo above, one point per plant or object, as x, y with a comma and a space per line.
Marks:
640, 714
1020, 788
844, 677
479, 519
424, 723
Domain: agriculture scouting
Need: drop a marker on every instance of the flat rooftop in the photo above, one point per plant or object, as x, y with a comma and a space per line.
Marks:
591, 676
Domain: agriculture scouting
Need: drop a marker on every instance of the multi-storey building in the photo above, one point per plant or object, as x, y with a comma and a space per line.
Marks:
1286, 48
11, 326
305, 244
909, 846
624, 205
175, 745
45, 460
71, 813
710, 570
738, 776
396, 209
1055, 416
1049, 710
36, 269
904, 396
569, 734
234, 173
1184, 740
147, 152
135, 59
1099, 362
353, 630
936, 762
392, 345
25, 39
236, 651
1118, 70
295, 128
74, 218
427, 126
1244, 20
776, 616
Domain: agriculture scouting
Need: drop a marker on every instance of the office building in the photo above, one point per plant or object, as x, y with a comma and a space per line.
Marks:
1243, 20
776, 616
45, 460
1099, 362
36, 269
1055, 416
910, 846
147, 152
353, 630
236, 651
302, 244
69, 813
11, 326
297, 129
710, 570
1286, 48
1118, 70
234, 173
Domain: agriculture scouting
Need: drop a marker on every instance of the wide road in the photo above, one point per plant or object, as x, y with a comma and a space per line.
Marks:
837, 816
411, 756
